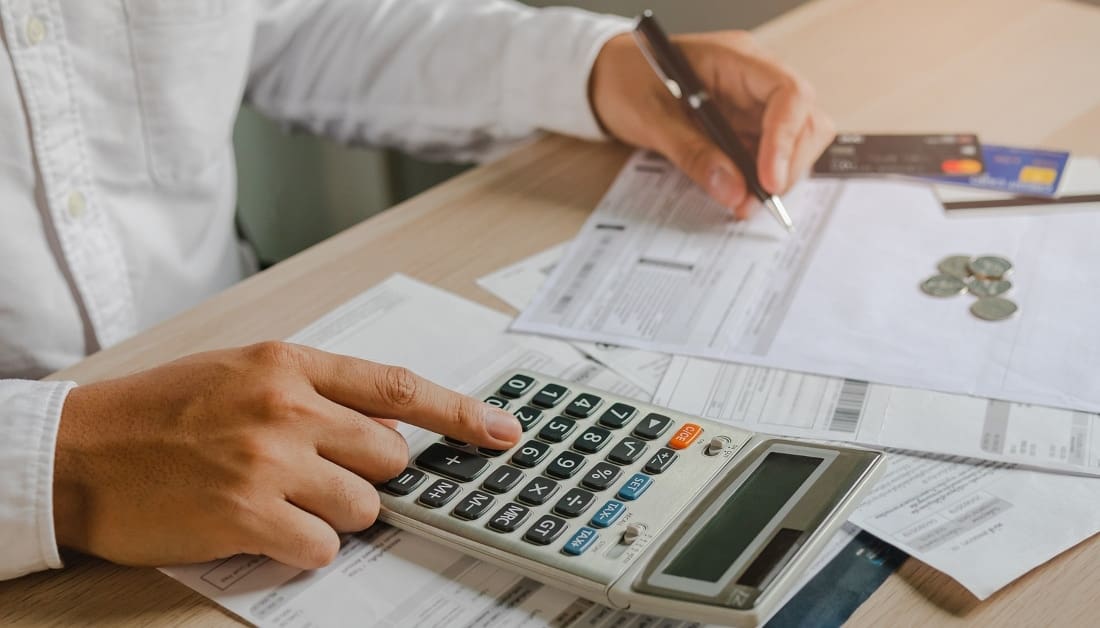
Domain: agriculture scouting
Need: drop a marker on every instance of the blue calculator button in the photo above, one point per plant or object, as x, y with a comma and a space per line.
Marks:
608, 514
581, 541
635, 486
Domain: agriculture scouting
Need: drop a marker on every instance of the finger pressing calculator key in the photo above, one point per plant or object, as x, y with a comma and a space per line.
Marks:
625, 503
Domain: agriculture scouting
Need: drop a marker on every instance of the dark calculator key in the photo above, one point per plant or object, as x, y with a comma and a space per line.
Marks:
627, 451
538, 491
546, 530
617, 415
473, 505
439, 493
509, 517
652, 426
661, 461
502, 479
490, 453
550, 396
516, 386
406, 482
528, 416
497, 402
592, 440
601, 476
583, 405
565, 465
558, 429
455, 441
574, 502
453, 463
530, 454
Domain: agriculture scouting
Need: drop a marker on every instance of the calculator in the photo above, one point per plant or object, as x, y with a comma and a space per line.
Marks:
632, 505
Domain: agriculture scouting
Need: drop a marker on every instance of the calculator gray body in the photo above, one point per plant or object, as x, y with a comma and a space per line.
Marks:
628, 567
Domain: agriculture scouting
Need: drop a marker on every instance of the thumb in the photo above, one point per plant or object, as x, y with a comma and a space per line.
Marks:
705, 164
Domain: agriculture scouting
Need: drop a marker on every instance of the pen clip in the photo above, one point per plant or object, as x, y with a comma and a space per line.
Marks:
651, 58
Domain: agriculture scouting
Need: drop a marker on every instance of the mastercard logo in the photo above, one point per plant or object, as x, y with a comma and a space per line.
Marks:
961, 166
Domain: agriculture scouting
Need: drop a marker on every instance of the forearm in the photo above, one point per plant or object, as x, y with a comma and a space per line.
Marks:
444, 78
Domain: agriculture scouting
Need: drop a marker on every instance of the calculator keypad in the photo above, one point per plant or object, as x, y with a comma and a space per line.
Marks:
589, 461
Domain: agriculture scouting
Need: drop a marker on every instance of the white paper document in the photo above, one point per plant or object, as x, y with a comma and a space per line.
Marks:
981, 522
517, 285
775, 401
387, 577
660, 267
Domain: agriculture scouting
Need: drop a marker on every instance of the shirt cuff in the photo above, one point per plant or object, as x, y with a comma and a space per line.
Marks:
30, 413
548, 64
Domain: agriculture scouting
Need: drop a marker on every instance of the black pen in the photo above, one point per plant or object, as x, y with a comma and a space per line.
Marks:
675, 72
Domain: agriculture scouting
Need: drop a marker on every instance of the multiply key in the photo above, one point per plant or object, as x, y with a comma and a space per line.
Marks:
537, 491
453, 463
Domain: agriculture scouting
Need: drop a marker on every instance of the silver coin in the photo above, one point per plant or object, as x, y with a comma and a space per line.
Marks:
988, 287
993, 308
943, 286
956, 266
990, 267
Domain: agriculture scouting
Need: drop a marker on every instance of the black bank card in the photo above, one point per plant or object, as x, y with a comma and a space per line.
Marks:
909, 155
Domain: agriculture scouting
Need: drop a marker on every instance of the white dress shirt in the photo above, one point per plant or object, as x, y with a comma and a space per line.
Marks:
117, 180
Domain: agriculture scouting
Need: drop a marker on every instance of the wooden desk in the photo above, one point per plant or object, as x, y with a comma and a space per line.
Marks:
1016, 71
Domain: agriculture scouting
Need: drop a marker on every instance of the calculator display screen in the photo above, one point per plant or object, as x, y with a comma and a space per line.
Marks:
718, 544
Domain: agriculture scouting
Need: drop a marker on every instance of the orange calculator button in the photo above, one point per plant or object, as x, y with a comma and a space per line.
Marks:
684, 436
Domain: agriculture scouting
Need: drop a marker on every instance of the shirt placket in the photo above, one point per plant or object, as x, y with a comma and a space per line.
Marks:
91, 248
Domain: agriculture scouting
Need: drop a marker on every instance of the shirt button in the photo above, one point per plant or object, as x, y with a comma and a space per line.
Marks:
76, 204
36, 31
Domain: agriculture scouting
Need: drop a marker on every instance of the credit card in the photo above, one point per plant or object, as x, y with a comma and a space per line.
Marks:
909, 155
1023, 171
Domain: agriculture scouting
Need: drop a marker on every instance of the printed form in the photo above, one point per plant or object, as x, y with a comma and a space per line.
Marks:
789, 403
388, 577
661, 267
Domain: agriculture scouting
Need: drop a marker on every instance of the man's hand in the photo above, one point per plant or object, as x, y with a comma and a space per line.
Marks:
269, 449
766, 103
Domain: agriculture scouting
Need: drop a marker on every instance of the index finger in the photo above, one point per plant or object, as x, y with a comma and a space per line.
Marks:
394, 392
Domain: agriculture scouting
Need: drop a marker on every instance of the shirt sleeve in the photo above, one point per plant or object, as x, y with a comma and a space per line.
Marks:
29, 416
439, 78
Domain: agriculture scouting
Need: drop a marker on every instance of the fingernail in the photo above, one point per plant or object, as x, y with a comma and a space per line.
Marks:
780, 173
725, 187
501, 425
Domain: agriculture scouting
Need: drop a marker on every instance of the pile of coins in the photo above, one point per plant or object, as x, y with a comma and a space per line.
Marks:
983, 277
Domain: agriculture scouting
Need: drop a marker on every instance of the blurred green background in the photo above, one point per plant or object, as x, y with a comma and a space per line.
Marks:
296, 190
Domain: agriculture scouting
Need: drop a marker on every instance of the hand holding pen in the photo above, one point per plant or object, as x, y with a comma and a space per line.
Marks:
762, 106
